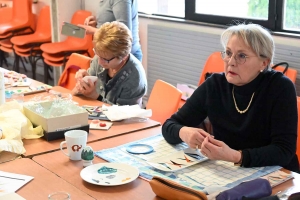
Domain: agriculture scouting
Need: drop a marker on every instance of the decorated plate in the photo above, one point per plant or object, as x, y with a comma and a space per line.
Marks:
109, 174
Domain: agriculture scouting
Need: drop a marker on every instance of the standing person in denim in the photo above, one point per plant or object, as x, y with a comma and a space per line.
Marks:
121, 76
125, 11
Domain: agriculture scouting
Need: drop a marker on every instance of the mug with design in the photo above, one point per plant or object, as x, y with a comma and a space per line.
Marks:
75, 141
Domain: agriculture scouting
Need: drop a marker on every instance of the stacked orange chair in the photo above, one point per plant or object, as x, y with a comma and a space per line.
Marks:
29, 45
6, 15
56, 54
75, 62
22, 22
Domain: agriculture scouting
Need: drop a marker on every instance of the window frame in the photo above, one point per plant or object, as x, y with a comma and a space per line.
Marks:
190, 14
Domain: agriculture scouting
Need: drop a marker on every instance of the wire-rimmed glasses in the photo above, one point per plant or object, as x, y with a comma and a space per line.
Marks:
240, 58
106, 60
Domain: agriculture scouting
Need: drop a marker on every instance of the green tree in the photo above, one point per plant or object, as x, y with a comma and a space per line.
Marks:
259, 9
292, 14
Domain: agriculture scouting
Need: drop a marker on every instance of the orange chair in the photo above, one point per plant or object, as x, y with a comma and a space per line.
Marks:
213, 64
29, 45
163, 101
22, 20
6, 15
71, 44
290, 72
298, 137
75, 62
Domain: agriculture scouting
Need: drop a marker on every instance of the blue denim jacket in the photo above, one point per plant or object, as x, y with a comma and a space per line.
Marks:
127, 87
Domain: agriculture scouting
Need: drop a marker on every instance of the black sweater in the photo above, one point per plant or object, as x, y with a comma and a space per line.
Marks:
266, 133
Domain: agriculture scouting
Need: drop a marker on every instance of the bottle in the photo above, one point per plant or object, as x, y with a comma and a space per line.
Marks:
2, 88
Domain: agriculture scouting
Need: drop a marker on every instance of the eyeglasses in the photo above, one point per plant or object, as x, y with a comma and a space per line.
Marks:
106, 60
240, 57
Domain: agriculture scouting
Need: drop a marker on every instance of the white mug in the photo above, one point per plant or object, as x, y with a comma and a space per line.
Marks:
75, 141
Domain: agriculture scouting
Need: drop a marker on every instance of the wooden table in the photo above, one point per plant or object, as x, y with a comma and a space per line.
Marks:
44, 182
40, 146
69, 170
138, 189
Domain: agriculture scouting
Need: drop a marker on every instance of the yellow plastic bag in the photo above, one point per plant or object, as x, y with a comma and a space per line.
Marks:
15, 126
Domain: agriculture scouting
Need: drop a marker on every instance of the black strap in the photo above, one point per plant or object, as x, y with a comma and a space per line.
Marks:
282, 63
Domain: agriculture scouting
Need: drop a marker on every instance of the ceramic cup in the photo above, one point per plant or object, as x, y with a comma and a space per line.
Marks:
75, 141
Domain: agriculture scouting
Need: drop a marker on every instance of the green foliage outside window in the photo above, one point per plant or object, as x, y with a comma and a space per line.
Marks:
259, 9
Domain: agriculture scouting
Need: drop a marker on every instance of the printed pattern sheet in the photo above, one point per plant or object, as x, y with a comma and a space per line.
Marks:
202, 176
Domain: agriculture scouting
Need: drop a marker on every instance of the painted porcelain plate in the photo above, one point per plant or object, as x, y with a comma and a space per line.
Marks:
139, 149
109, 174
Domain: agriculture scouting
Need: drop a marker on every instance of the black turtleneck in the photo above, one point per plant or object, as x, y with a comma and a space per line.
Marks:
266, 133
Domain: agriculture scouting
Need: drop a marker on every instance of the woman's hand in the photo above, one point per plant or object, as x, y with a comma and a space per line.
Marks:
88, 89
90, 24
218, 150
91, 21
193, 136
88, 29
80, 74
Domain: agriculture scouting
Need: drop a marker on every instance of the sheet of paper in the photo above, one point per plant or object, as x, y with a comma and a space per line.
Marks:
11, 196
11, 182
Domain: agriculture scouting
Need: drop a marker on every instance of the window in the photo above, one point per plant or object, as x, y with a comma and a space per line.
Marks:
173, 8
276, 15
291, 18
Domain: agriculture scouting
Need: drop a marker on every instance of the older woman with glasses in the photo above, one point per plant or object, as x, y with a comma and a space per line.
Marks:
121, 76
252, 109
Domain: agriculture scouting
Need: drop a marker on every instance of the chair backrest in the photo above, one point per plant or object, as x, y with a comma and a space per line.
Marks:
291, 73
298, 137
163, 100
214, 64
78, 18
75, 62
43, 25
22, 13
6, 14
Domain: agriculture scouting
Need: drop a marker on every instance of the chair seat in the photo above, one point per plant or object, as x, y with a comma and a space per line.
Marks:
54, 64
32, 38
54, 58
6, 35
6, 43
22, 54
12, 26
25, 48
6, 49
59, 47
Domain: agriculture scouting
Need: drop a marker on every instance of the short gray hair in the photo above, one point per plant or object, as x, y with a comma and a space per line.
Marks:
255, 36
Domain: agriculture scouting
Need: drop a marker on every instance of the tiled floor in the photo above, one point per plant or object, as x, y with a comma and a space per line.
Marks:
39, 74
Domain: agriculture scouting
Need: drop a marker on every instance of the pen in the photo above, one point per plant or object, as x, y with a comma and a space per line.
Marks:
13, 178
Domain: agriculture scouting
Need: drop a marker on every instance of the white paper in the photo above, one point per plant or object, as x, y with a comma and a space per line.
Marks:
11, 196
116, 113
11, 182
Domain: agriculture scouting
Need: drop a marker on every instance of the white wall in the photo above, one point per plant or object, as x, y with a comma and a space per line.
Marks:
144, 21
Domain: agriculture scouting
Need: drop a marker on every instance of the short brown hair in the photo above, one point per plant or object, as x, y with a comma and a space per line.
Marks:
113, 37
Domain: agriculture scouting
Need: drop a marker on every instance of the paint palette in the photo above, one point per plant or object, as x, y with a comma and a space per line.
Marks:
109, 174
97, 124
25, 90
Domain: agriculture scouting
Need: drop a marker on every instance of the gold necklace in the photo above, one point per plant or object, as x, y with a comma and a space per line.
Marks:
241, 111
